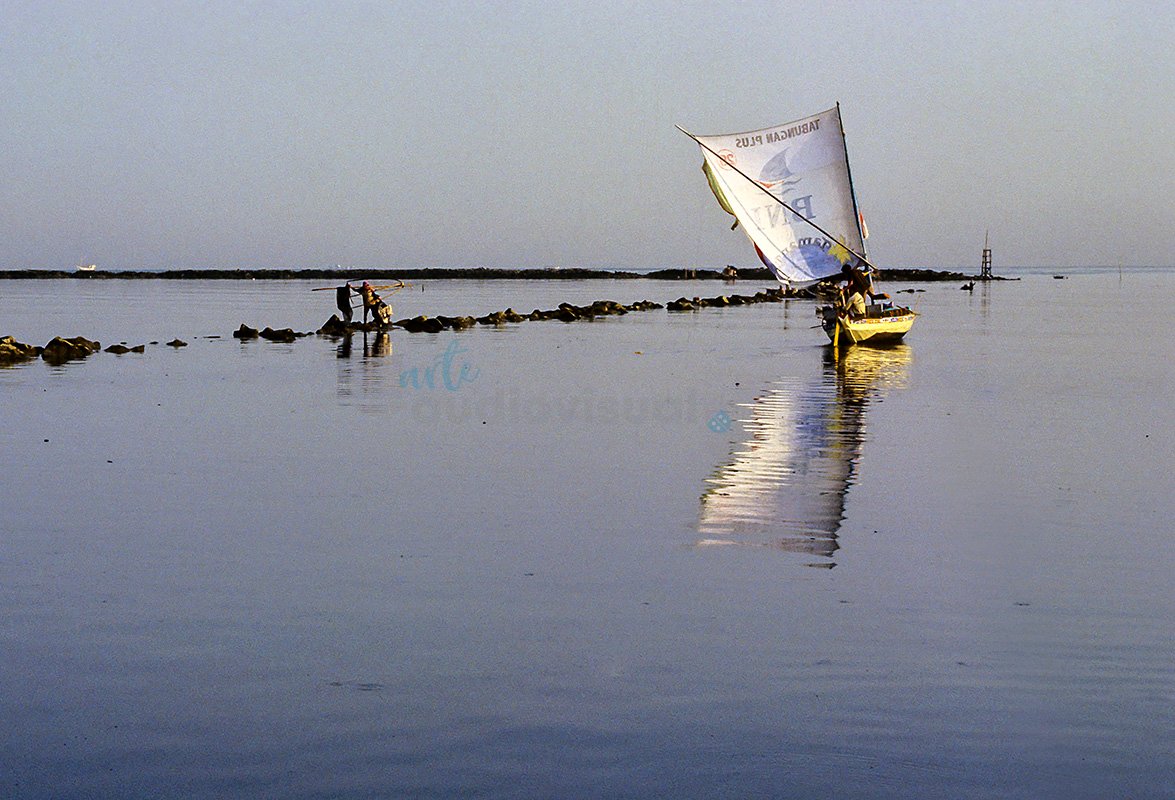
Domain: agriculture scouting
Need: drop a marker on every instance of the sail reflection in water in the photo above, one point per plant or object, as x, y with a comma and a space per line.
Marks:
785, 486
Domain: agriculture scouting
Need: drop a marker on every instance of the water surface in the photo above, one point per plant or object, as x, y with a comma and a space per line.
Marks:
684, 555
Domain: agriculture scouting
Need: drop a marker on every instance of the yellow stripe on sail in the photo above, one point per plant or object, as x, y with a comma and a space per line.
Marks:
716, 188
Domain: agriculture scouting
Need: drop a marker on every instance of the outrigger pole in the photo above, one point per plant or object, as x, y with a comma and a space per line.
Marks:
767, 192
396, 286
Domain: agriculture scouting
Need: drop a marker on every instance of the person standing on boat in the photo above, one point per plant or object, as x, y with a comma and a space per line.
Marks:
856, 305
857, 280
851, 302
860, 280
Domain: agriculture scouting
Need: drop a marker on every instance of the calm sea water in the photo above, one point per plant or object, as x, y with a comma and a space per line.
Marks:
658, 555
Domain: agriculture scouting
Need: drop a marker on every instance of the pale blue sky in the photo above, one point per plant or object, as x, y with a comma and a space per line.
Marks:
413, 134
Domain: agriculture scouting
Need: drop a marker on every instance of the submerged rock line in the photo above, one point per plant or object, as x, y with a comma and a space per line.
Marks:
566, 312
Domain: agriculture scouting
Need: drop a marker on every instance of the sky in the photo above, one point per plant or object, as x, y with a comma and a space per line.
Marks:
219, 135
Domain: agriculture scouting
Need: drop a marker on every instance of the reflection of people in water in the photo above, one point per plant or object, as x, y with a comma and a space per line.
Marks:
785, 485
378, 346
381, 345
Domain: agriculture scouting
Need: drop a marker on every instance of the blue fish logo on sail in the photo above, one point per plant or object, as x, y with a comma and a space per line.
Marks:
776, 172
814, 256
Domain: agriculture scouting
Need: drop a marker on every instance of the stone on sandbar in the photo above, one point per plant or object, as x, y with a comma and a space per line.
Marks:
332, 327
61, 349
12, 351
284, 335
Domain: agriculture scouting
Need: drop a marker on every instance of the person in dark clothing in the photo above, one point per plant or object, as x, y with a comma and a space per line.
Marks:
343, 301
859, 280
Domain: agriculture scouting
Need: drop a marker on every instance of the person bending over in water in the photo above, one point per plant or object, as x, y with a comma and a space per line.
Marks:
380, 311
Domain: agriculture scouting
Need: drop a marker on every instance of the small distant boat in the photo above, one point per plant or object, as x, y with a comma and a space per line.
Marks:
776, 182
87, 267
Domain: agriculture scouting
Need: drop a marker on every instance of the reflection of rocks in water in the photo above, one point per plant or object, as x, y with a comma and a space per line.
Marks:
785, 485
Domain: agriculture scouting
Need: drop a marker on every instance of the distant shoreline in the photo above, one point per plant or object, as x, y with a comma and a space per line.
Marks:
478, 273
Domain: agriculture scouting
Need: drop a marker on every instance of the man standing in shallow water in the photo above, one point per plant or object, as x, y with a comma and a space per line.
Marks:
343, 301
368, 294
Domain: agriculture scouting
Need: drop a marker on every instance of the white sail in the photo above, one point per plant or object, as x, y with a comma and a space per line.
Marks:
804, 164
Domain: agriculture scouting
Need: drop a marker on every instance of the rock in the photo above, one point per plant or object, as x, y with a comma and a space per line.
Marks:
139, 348
285, 335
510, 315
12, 351
118, 349
177, 343
61, 350
422, 324
245, 332
681, 304
457, 323
608, 307
332, 327
496, 318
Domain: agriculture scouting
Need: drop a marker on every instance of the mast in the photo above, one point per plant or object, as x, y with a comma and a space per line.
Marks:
852, 191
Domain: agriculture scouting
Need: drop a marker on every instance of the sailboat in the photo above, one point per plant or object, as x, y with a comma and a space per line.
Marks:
790, 189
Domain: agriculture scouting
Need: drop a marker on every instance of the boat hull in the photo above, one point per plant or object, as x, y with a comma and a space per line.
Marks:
882, 329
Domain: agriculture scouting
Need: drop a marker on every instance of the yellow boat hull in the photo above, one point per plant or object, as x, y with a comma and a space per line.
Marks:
882, 329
